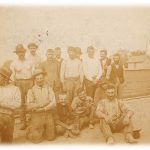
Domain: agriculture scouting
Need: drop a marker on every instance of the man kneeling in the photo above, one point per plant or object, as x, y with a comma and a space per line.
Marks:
114, 116
40, 103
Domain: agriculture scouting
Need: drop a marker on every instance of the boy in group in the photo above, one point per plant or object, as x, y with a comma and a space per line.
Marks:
64, 118
82, 108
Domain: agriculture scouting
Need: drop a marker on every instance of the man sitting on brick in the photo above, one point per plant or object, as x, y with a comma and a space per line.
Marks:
82, 107
40, 103
64, 118
114, 116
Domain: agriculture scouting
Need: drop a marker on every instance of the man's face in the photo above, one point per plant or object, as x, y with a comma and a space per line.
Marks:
71, 54
50, 55
32, 49
103, 55
111, 93
21, 55
39, 80
63, 99
82, 95
58, 53
91, 52
116, 59
2, 80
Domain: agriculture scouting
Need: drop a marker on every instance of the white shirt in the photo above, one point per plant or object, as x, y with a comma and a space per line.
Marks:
21, 69
40, 96
10, 97
71, 68
91, 68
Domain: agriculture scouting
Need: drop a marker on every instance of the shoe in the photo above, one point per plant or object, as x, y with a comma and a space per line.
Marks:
136, 134
23, 127
130, 139
110, 141
91, 126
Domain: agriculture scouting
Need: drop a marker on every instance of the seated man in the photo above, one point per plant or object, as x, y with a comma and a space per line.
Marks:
64, 118
82, 107
114, 116
40, 104
10, 100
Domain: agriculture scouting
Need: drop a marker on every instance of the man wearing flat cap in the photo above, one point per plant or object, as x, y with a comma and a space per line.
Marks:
33, 56
40, 102
10, 100
51, 67
22, 76
71, 74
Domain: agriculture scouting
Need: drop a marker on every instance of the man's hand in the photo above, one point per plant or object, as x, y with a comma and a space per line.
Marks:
108, 119
126, 120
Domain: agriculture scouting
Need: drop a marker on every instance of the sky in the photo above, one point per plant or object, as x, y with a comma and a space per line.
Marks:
112, 28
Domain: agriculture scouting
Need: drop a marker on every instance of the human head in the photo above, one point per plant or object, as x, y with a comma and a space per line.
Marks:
81, 94
111, 91
50, 54
39, 77
78, 52
91, 51
20, 51
103, 54
58, 52
71, 52
33, 48
116, 58
4, 76
62, 98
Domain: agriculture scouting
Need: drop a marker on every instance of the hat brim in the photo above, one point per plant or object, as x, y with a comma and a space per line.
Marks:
20, 51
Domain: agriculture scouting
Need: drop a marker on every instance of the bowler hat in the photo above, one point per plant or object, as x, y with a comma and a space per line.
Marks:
38, 72
19, 48
32, 45
5, 72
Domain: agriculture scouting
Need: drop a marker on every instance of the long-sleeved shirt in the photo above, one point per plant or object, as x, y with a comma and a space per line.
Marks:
10, 97
111, 108
51, 67
81, 106
91, 68
71, 68
21, 69
40, 97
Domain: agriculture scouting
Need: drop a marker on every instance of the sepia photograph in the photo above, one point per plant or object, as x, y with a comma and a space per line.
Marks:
74, 74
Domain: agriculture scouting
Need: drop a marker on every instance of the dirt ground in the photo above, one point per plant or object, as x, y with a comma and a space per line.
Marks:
94, 136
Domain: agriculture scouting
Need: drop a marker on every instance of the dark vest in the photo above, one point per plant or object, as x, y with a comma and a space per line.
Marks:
117, 73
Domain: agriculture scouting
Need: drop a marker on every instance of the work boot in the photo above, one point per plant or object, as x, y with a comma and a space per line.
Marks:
136, 134
129, 138
110, 140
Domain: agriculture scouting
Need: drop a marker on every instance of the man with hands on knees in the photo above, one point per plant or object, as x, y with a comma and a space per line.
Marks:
40, 103
114, 116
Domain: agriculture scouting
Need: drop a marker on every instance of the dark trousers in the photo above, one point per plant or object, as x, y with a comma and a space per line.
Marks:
6, 128
24, 86
90, 88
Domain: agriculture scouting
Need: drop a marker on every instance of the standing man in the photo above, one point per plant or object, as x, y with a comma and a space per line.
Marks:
33, 56
9, 101
92, 71
51, 67
40, 102
21, 75
116, 74
114, 116
71, 74
105, 61
78, 53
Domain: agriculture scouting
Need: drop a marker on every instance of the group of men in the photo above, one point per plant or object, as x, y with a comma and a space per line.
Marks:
62, 96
